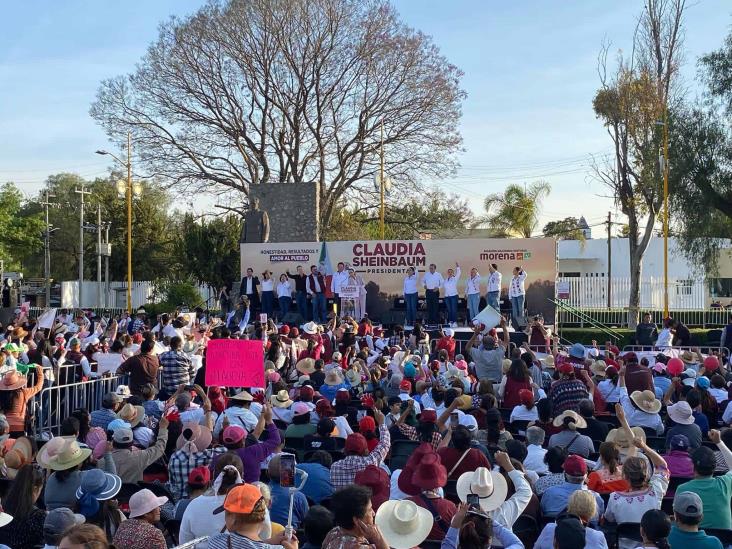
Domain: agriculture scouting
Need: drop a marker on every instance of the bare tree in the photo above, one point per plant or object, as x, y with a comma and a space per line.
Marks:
632, 100
250, 92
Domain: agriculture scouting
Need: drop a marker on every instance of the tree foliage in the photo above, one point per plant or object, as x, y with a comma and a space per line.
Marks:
514, 213
564, 229
21, 235
208, 251
249, 92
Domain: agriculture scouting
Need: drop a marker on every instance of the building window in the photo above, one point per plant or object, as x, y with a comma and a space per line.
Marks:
684, 287
569, 275
720, 287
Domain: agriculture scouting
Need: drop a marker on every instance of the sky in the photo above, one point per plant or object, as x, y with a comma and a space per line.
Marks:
530, 75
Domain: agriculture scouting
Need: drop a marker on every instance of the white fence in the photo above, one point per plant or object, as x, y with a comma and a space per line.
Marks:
116, 297
591, 292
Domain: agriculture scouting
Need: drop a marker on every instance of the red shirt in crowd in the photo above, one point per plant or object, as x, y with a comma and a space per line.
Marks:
447, 343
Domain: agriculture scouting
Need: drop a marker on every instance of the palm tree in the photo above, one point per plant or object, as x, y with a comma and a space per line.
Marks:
515, 212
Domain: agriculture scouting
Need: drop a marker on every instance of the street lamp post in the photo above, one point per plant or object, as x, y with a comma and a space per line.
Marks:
127, 189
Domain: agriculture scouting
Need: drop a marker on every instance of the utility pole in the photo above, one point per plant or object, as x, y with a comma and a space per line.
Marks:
83, 193
664, 167
106, 263
609, 260
381, 181
47, 247
99, 255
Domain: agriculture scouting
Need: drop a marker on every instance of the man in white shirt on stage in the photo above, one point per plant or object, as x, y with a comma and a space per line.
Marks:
517, 294
339, 278
432, 282
494, 286
472, 292
451, 294
410, 298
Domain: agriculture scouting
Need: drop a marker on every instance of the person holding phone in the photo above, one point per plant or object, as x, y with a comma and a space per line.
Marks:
282, 472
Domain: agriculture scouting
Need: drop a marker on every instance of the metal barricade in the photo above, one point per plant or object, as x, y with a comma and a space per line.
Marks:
703, 349
54, 404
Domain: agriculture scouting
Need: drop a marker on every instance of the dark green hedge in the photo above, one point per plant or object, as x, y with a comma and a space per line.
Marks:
586, 335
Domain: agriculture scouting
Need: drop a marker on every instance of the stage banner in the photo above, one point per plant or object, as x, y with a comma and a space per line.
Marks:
383, 263
235, 363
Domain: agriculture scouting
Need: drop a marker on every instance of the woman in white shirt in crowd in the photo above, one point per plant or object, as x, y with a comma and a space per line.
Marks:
284, 295
267, 296
527, 409
451, 294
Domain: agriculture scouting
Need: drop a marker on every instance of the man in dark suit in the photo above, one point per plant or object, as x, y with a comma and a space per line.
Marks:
248, 288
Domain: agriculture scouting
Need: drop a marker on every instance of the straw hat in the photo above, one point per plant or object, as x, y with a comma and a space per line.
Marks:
12, 380
598, 368
403, 523
353, 377
305, 365
333, 377
688, 357
646, 401
243, 396
19, 333
548, 362
621, 440
490, 487
20, 454
310, 328
131, 414
281, 399
144, 501
578, 419
50, 449
69, 456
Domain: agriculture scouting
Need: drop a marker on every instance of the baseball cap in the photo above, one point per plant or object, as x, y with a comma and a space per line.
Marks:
703, 382
566, 368
233, 434
356, 444
410, 370
469, 422
575, 466
242, 499
405, 386
61, 519
428, 415
200, 476
307, 391
300, 408
688, 504
679, 442
123, 435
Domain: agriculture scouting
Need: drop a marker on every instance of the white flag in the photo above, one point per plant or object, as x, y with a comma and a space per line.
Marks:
45, 321
489, 317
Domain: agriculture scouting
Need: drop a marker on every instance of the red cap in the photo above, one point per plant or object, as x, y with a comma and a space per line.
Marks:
566, 368
307, 391
378, 332
233, 434
366, 424
527, 397
428, 415
356, 444
405, 386
435, 365
323, 408
614, 350
137, 338
200, 476
294, 332
284, 329
342, 395
575, 466
711, 363
630, 357
492, 332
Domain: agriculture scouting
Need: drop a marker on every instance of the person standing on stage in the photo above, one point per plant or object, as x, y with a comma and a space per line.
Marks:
432, 281
472, 293
494, 287
339, 278
248, 287
517, 294
361, 290
451, 295
410, 298
316, 289
301, 292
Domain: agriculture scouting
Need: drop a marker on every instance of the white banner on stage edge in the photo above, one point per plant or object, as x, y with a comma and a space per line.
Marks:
348, 292
489, 317
45, 321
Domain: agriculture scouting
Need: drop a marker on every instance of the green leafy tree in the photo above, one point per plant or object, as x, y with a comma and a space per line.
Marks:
564, 229
208, 250
514, 213
21, 235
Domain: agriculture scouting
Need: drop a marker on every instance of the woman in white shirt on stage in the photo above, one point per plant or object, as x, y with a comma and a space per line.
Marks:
451, 294
284, 295
410, 297
267, 293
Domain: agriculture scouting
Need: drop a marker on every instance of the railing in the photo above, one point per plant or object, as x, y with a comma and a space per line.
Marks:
110, 312
703, 349
580, 316
709, 318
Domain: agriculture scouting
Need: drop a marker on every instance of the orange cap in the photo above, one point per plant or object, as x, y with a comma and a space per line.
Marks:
242, 498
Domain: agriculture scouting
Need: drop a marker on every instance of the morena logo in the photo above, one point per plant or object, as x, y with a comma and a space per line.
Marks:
504, 255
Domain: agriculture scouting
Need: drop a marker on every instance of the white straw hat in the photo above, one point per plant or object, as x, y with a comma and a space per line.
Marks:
403, 523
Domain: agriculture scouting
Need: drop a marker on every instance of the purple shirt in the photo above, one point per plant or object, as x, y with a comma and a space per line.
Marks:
252, 456
679, 464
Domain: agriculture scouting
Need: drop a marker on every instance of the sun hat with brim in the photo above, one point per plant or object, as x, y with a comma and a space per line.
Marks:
100, 485
50, 449
621, 440
242, 499
302, 380
12, 380
310, 328
548, 362
19, 333
465, 402
281, 399
378, 480
598, 368
131, 414
646, 401
195, 434
577, 350
69, 456
19, 455
243, 396
144, 501
123, 391
333, 377
578, 419
403, 523
687, 357
305, 365
490, 487
11, 348
681, 413
429, 473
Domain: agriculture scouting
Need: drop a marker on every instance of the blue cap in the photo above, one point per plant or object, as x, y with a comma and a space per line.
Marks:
410, 370
703, 382
577, 350
679, 442
118, 424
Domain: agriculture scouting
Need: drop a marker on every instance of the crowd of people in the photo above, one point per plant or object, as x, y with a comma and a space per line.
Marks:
398, 441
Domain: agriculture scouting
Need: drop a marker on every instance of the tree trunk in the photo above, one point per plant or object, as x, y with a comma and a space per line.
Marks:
637, 249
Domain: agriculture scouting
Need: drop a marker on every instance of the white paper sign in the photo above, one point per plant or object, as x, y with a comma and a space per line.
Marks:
45, 321
108, 362
489, 317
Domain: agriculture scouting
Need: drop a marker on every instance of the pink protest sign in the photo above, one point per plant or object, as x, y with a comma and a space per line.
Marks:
235, 363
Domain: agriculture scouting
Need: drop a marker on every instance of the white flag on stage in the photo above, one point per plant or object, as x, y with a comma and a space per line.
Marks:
489, 317
45, 321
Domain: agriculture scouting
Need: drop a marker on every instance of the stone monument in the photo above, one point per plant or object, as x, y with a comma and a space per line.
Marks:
255, 228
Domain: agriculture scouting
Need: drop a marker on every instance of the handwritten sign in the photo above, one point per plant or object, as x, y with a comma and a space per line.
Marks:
348, 292
235, 363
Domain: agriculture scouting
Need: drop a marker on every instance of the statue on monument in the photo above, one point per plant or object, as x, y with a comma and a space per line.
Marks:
256, 224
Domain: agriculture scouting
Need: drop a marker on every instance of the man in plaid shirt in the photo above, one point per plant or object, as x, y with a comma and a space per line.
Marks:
177, 368
343, 472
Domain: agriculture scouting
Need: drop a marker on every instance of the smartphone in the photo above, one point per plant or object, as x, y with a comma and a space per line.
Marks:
287, 470
454, 419
473, 500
